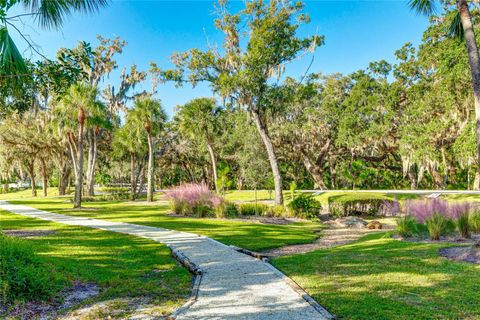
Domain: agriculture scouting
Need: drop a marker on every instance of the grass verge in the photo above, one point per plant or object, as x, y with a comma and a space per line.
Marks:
122, 266
381, 278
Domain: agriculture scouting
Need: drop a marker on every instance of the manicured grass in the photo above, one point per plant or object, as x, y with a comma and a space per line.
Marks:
27, 193
381, 278
123, 266
249, 235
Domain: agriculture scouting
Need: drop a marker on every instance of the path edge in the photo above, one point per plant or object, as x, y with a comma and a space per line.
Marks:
291, 283
197, 274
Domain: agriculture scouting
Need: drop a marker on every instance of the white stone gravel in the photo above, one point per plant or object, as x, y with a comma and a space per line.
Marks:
233, 285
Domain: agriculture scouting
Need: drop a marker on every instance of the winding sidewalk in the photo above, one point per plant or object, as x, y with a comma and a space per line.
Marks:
233, 285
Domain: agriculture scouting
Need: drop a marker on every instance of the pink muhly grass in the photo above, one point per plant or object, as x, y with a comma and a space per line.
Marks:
189, 197
422, 210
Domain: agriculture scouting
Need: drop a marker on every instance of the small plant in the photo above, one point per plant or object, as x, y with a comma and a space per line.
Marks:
226, 210
407, 226
474, 221
463, 224
277, 211
193, 199
252, 209
437, 226
305, 206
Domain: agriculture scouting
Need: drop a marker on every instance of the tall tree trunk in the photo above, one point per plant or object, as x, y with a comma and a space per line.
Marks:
214, 165
92, 158
133, 178
44, 176
63, 180
31, 173
474, 60
150, 169
315, 170
277, 177
77, 200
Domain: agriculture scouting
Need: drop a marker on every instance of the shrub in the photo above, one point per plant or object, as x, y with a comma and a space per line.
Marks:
226, 209
437, 225
344, 206
277, 211
389, 208
23, 276
193, 199
474, 221
252, 209
407, 226
305, 206
463, 224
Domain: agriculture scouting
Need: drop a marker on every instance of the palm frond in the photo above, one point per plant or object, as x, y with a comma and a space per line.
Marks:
455, 28
52, 13
425, 7
11, 61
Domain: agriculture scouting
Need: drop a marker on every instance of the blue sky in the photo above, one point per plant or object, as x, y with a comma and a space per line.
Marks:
356, 32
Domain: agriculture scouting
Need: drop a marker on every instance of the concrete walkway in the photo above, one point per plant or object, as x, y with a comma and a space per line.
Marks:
233, 285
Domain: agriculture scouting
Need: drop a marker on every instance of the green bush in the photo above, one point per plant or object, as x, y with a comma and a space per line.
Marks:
277, 211
23, 276
252, 209
463, 225
438, 225
474, 221
344, 206
407, 226
226, 210
305, 206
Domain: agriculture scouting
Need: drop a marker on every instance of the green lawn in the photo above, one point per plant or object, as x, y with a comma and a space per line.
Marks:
249, 235
27, 193
123, 266
381, 278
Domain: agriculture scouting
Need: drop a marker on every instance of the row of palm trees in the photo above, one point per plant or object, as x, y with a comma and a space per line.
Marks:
80, 108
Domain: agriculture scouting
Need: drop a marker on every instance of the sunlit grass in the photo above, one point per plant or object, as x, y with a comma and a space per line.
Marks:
250, 235
381, 278
121, 265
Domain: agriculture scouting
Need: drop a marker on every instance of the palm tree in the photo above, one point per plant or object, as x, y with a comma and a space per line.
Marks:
78, 107
200, 119
128, 141
462, 28
148, 116
49, 14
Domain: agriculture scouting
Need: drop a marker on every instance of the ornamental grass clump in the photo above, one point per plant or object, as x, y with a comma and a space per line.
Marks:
440, 217
193, 200
407, 226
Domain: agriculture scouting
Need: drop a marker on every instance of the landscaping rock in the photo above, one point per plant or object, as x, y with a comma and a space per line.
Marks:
351, 222
374, 225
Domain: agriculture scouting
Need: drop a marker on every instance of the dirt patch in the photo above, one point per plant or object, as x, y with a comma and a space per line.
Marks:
28, 233
251, 219
49, 310
332, 236
466, 254
444, 239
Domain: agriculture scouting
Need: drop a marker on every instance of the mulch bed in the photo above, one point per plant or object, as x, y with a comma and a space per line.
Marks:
466, 254
28, 233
